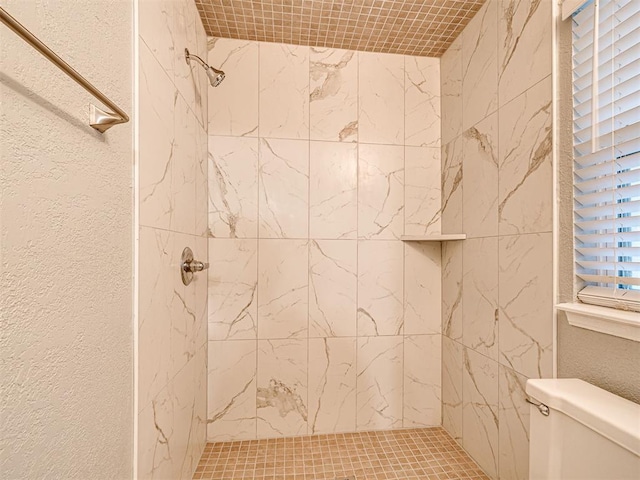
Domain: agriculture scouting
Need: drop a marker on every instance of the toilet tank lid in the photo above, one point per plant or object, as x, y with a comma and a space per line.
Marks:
612, 416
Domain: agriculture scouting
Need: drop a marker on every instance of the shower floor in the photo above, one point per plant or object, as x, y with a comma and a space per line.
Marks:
423, 453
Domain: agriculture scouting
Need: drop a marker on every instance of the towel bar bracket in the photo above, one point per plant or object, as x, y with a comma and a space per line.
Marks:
99, 119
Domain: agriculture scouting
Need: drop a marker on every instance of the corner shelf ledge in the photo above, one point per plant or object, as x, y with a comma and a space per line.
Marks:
433, 238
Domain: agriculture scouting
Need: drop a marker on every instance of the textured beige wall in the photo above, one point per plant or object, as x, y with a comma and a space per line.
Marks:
609, 362
66, 226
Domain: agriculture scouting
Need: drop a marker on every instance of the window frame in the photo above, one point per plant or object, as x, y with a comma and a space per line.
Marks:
602, 319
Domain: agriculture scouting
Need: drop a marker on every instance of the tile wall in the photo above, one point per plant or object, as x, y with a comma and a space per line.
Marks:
320, 319
172, 330
497, 188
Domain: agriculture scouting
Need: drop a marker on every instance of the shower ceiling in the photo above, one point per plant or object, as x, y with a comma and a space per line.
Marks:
410, 27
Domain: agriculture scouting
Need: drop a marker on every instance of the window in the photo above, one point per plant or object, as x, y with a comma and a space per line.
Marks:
606, 145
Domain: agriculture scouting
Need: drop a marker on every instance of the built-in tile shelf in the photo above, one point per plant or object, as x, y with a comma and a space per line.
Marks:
433, 238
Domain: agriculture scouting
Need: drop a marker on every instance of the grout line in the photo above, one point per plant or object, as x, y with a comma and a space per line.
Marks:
357, 235
308, 213
257, 342
272, 137
404, 224
497, 320
136, 233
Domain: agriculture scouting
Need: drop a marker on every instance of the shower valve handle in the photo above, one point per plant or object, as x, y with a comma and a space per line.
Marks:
189, 266
194, 266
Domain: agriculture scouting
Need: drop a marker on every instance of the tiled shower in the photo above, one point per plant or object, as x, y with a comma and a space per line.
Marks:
318, 317
321, 320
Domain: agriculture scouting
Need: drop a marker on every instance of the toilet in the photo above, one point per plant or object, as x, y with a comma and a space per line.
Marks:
581, 432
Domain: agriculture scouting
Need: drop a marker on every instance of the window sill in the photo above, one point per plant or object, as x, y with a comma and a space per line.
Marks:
609, 321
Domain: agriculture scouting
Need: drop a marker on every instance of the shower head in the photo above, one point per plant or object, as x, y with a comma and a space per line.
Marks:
215, 76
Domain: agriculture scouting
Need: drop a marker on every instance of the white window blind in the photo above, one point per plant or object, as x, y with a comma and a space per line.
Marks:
606, 127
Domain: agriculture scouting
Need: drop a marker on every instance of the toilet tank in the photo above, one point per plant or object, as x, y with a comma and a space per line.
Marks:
588, 434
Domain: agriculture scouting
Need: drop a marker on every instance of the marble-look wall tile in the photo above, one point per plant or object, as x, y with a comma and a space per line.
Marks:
282, 388
200, 295
304, 227
480, 65
452, 387
380, 191
524, 45
333, 287
452, 187
155, 437
525, 158
333, 201
422, 288
422, 193
380, 288
422, 381
188, 324
233, 285
526, 304
172, 333
157, 95
514, 426
188, 77
451, 91
284, 91
480, 296
284, 188
422, 101
480, 410
203, 87
282, 288
480, 165
332, 385
198, 437
381, 117
497, 125
202, 182
379, 383
233, 105
452, 274
183, 169
156, 32
232, 391
170, 426
156, 292
334, 94
233, 187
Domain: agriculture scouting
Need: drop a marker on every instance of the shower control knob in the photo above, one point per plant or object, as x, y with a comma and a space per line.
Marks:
194, 266
189, 266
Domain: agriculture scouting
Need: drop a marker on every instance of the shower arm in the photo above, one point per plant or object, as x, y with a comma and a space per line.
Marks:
188, 56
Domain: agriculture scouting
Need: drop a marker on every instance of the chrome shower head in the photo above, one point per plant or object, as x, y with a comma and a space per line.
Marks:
215, 76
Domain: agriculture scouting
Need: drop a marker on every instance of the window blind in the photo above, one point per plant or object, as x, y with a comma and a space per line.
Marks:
606, 127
